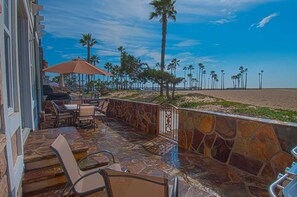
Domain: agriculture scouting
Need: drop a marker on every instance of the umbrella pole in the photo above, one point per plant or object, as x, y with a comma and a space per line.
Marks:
79, 83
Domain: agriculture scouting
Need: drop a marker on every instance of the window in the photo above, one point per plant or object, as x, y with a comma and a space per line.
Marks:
8, 55
8, 69
6, 13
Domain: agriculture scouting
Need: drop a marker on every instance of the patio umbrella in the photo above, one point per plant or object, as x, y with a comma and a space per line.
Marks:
77, 66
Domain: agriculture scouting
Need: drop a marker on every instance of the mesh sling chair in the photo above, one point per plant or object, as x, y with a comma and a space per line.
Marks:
122, 184
62, 114
80, 182
86, 113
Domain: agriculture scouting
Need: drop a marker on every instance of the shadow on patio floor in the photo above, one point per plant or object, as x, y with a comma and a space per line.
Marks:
198, 175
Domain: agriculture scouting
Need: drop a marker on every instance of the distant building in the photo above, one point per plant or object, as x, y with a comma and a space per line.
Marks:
20, 86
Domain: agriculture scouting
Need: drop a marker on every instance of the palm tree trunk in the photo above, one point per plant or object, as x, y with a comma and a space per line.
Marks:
245, 80
164, 32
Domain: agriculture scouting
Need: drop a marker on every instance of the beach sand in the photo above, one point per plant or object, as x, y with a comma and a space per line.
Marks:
281, 98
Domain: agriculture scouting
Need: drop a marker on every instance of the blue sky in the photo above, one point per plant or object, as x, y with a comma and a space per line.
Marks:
221, 34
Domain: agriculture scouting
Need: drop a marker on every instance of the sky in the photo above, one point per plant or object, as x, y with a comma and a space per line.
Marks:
221, 34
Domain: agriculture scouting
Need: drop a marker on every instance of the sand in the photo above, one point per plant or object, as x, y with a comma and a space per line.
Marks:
273, 98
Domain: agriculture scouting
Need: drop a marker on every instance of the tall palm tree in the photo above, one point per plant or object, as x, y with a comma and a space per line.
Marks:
190, 68
88, 41
108, 67
222, 79
185, 73
165, 10
246, 72
261, 79
204, 74
241, 69
173, 65
212, 74
201, 67
94, 59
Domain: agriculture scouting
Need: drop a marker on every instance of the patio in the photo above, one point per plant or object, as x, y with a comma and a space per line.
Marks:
198, 174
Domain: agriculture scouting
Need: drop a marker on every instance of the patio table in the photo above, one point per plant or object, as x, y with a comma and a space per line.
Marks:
71, 107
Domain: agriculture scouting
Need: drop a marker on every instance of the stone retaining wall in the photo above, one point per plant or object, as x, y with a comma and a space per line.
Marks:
260, 147
143, 116
3, 167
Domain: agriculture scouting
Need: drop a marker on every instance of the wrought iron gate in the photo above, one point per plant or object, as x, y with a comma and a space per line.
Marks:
168, 121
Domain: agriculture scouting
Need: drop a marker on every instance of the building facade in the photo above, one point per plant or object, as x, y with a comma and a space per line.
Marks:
20, 92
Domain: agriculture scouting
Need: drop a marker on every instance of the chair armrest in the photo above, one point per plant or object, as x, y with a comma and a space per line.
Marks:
72, 186
97, 152
276, 184
175, 187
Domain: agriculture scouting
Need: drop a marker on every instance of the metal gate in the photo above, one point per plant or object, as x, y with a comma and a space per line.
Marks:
168, 127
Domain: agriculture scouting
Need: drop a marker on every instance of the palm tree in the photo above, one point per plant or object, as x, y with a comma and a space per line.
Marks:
261, 79
173, 65
165, 10
212, 74
88, 41
245, 71
108, 67
94, 60
201, 67
204, 74
185, 73
234, 81
241, 69
222, 79
190, 68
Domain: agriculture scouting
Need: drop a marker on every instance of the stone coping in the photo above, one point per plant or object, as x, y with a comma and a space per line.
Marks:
3, 142
37, 146
262, 120
134, 101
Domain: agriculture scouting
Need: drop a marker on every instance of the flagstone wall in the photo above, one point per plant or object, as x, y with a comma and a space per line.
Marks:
143, 116
3, 167
260, 147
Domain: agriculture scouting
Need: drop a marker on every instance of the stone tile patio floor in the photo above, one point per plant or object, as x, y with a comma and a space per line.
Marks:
198, 175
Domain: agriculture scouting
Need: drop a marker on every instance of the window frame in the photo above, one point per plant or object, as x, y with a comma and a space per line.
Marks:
9, 69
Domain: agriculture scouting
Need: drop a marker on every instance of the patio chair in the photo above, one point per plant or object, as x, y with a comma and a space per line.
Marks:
62, 114
122, 184
86, 113
80, 182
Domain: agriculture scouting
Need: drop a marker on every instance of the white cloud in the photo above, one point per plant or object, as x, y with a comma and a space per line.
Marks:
187, 43
222, 21
49, 47
121, 22
266, 20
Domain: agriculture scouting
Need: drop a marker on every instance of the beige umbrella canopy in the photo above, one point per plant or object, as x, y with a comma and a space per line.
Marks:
76, 66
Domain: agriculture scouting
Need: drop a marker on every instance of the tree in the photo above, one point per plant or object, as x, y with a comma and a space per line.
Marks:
88, 41
222, 79
173, 65
94, 60
260, 79
246, 72
190, 68
201, 68
185, 73
165, 10
204, 74
212, 74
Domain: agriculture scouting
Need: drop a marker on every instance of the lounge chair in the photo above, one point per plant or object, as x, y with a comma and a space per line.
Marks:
122, 184
80, 182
